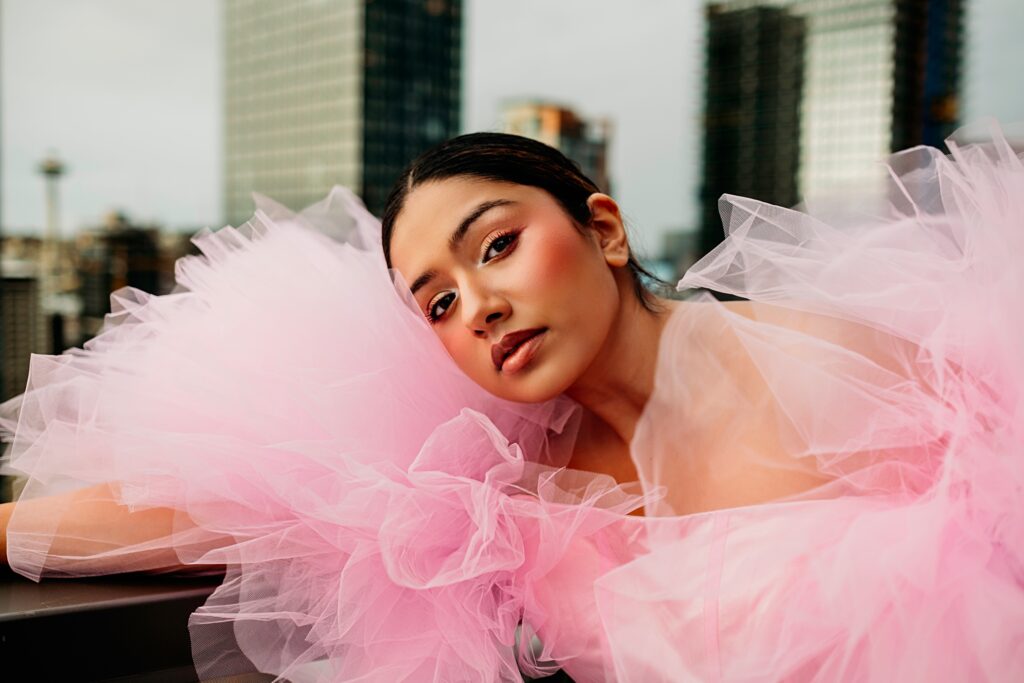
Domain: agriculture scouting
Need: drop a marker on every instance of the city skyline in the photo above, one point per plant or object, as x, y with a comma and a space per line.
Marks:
144, 89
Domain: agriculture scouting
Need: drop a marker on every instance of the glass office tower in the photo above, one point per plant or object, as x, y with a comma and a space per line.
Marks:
881, 75
752, 99
344, 92
873, 77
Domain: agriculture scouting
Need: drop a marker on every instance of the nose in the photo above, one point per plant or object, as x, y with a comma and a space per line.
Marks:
482, 308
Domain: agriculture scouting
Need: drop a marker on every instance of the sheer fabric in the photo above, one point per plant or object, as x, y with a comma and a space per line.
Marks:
831, 472
872, 384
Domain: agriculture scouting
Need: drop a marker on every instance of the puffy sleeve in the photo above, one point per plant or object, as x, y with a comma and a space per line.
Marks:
288, 417
877, 361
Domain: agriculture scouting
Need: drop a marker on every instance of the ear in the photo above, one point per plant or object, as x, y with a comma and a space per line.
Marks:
609, 229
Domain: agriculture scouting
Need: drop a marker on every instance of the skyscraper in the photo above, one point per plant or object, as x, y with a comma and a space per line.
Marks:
881, 75
585, 142
873, 77
23, 329
116, 255
348, 91
753, 89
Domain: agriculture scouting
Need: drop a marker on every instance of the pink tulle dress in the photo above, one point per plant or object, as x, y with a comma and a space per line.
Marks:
381, 518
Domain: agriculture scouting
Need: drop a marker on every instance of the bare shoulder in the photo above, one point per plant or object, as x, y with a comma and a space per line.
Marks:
715, 441
887, 350
750, 369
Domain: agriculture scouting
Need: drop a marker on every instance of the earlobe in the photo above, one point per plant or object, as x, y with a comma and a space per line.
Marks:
606, 222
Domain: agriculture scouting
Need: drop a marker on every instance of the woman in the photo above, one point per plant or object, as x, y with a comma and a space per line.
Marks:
820, 483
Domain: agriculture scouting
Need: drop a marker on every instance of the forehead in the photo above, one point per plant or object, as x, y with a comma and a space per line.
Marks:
434, 210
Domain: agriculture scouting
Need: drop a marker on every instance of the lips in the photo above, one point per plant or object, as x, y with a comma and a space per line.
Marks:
510, 342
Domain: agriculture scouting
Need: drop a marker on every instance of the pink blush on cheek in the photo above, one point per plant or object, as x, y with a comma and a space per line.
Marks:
460, 344
467, 352
547, 260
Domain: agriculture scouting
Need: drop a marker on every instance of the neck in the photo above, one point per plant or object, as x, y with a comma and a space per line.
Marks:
616, 386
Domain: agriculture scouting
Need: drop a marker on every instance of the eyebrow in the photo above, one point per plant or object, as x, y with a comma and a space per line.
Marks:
458, 235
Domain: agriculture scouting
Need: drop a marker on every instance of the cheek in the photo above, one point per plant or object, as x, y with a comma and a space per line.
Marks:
469, 354
551, 267
461, 347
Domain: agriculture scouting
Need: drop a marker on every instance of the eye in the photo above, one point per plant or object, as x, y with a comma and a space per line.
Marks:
499, 245
439, 305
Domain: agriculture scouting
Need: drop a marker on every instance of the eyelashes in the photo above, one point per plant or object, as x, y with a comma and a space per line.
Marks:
501, 241
496, 246
439, 305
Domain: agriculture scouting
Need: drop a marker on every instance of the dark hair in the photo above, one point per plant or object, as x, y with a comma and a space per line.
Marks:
514, 159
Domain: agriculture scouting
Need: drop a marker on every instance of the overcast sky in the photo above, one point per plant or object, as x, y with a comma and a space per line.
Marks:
127, 92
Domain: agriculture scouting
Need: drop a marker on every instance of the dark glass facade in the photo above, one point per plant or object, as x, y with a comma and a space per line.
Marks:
753, 89
858, 79
928, 47
342, 92
22, 328
411, 86
122, 256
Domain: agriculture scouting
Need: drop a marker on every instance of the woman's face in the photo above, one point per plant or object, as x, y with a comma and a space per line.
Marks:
522, 299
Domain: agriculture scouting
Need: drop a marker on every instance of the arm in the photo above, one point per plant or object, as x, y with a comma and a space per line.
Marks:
92, 528
6, 509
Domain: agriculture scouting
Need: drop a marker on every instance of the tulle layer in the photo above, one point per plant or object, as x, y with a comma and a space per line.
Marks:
878, 365
286, 414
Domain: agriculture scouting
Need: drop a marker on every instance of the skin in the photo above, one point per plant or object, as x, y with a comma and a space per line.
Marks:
600, 348
601, 343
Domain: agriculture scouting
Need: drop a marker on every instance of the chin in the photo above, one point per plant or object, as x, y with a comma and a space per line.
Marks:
532, 385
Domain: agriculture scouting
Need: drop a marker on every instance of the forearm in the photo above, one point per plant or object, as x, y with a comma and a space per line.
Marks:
91, 532
5, 518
